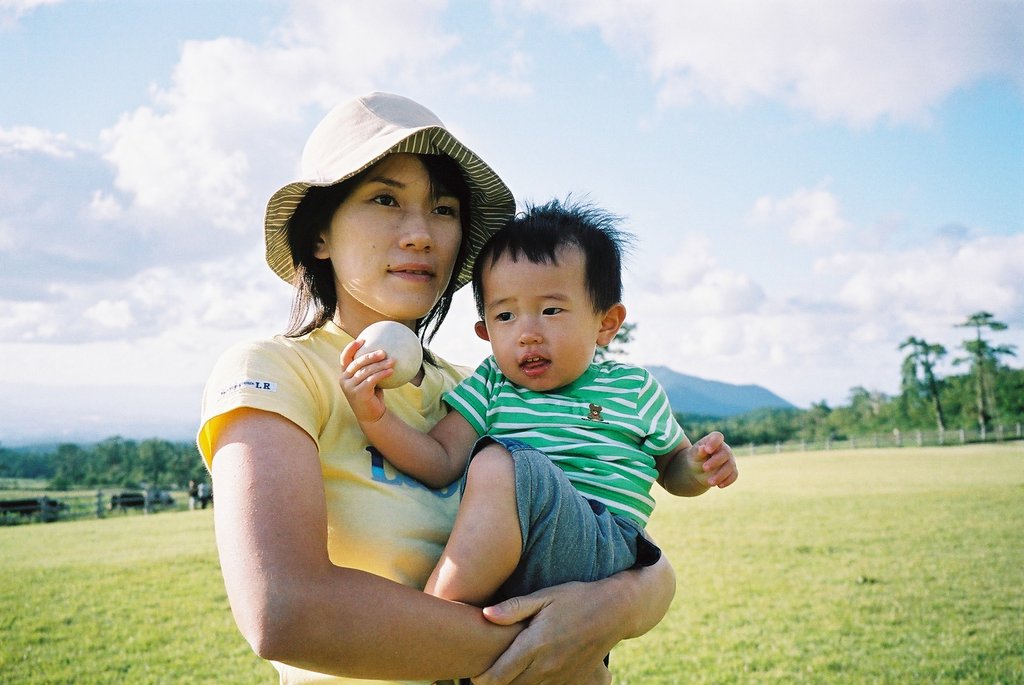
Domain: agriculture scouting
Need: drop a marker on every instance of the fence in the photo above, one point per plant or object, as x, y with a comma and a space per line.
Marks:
49, 506
890, 439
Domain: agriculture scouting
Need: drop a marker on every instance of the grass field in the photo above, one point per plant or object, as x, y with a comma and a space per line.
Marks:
868, 566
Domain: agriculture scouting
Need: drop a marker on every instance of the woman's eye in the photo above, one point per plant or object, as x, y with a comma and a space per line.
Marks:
504, 316
386, 200
551, 311
446, 210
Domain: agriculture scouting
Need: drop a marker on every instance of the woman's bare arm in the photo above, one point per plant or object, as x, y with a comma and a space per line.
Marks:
292, 604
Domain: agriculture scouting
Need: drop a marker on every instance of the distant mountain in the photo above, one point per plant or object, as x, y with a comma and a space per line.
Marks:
692, 395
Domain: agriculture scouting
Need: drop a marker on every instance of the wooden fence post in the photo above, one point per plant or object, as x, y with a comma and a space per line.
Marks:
99, 504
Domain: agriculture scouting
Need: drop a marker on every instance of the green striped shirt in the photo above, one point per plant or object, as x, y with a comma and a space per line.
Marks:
603, 430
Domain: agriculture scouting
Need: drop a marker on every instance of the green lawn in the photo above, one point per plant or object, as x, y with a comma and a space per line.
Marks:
867, 566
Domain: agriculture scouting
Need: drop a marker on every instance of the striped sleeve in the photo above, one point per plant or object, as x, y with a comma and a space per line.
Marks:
663, 431
472, 397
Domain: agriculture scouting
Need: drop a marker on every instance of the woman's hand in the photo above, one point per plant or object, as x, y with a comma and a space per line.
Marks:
567, 635
571, 627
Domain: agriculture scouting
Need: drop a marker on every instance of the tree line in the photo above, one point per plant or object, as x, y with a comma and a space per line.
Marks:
114, 462
988, 394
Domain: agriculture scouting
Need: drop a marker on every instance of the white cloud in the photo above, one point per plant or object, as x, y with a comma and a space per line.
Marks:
190, 301
692, 282
941, 279
13, 10
808, 216
104, 207
854, 62
111, 315
35, 140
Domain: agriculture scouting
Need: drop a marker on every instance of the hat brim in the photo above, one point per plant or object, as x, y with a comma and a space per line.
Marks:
491, 202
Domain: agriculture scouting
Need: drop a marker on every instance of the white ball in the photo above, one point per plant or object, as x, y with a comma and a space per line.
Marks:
399, 343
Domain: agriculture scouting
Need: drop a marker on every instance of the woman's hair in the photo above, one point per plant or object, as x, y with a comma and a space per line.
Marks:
316, 300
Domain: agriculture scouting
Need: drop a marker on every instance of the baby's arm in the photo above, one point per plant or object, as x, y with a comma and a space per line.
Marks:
435, 459
690, 470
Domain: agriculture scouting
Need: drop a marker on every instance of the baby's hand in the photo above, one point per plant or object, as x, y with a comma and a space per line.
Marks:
714, 460
359, 378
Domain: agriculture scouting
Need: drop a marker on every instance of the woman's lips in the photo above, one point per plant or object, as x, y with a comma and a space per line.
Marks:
414, 272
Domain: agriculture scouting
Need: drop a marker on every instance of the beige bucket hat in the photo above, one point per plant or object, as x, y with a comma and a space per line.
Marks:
358, 133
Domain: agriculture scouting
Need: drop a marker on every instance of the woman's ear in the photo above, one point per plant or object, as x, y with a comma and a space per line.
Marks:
611, 321
481, 330
320, 250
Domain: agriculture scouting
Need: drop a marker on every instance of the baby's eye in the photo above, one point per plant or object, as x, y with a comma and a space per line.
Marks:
386, 199
551, 311
504, 316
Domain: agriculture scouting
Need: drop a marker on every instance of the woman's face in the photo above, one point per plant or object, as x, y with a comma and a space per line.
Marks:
392, 244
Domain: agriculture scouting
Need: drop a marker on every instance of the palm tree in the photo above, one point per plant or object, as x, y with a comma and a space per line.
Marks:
921, 361
984, 360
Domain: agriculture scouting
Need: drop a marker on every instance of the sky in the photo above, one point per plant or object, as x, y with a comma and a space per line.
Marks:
809, 183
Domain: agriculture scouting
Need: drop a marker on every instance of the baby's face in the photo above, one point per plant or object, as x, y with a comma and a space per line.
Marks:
539, 319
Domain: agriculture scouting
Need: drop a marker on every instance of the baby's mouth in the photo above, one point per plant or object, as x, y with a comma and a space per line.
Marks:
534, 366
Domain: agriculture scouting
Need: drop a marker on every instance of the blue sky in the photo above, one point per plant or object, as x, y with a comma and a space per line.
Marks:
809, 183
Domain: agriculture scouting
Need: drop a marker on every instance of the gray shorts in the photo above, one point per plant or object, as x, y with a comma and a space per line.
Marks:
566, 536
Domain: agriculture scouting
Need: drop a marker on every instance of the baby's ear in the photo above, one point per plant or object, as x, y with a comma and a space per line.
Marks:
481, 330
611, 321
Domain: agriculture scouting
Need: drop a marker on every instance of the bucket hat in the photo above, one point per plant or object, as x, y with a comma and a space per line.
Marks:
360, 132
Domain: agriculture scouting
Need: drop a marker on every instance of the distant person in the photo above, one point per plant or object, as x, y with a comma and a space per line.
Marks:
565, 449
324, 545
205, 494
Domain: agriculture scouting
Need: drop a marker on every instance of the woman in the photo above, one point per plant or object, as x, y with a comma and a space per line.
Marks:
323, 545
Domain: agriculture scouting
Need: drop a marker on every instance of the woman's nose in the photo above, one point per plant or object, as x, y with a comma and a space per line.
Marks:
416, 233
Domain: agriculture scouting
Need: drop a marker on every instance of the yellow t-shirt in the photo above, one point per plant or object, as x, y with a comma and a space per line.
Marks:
379, 520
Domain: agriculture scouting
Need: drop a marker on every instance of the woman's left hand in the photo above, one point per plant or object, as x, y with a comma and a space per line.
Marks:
565, 638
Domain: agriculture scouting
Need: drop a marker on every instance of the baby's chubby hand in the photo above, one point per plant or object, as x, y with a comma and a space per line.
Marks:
714, 459
359, 380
